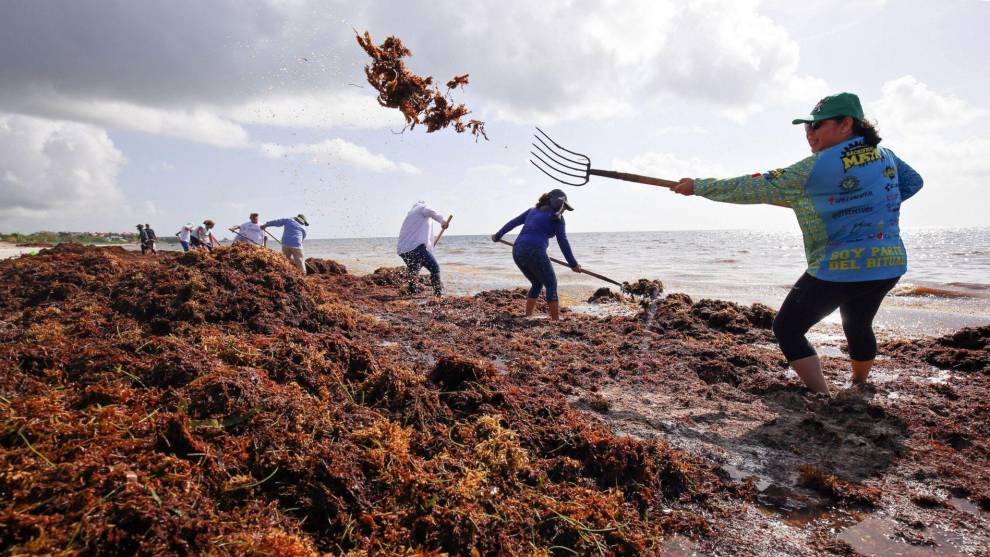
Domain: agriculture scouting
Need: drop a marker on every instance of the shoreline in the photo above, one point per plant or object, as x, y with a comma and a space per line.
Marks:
901, 315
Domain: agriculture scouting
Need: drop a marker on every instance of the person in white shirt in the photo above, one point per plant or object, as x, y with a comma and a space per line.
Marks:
184, 234
250, 232
415, 245
204, 237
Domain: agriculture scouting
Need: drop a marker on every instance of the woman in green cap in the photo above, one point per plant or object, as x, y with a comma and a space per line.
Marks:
847, 198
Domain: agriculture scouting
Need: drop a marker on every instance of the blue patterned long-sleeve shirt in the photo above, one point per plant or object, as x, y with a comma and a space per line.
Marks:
847, 201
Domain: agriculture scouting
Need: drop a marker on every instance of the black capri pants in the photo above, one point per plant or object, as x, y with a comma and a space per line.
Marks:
811, 300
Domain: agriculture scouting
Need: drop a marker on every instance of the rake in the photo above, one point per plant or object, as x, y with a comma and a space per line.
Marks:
574, 169
585, 271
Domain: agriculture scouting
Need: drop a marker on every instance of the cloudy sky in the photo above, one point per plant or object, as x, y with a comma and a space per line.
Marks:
119, 112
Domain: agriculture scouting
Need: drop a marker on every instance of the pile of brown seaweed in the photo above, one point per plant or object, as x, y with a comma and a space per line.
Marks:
223, 403
416, 97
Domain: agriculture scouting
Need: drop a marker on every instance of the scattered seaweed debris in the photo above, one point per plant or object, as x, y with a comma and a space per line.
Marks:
221, 403
419, 100
831, 486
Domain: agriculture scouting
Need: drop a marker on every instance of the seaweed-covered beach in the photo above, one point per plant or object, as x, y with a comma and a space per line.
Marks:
224, 404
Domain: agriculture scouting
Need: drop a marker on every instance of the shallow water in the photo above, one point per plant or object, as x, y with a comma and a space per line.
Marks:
947, 285
946, 288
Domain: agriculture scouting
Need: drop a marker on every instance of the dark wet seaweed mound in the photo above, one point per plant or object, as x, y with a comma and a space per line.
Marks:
605, 295
316, 266
966, 350
223, 403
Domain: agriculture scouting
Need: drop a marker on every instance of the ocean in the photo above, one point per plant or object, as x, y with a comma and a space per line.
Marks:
947, 285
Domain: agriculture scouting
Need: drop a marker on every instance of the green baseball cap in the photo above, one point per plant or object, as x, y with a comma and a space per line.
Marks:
840, 104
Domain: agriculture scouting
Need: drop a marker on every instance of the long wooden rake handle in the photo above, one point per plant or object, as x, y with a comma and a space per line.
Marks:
647, 180
243, 236
632, 177
442, 230
564, 263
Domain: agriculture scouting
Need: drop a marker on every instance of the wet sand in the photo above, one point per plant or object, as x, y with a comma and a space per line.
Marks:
8, 250
195, 402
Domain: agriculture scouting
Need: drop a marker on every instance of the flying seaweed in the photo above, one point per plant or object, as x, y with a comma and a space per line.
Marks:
419, 100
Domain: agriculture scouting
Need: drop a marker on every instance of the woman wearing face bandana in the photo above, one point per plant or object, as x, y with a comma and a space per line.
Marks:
541, 223
847, 198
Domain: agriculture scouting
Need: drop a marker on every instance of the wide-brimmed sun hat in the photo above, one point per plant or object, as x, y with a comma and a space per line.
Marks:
301, 219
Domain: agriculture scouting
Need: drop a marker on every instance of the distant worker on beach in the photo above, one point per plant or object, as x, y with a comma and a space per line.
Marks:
204, 238
250, 232
142, 239
185, 235
152, 238
415, 246
293, 236
541, 223
847, 198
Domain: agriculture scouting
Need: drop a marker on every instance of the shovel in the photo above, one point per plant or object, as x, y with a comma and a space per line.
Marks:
442, 230
574, 169
583, 270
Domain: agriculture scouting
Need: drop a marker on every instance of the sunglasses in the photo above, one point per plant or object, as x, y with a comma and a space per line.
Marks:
811, 126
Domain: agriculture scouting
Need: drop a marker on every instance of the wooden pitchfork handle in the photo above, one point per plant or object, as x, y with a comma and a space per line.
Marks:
243, 236
564, 263
442, 230
632, 177
648, 180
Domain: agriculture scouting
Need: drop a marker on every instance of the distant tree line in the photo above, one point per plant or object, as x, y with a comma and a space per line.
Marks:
46, 237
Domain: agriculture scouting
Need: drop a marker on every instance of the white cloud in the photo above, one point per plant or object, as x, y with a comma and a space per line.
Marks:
338, 151
668, 166
930, 130
907, 104
679, 130
148, 208
494, 169
189, 70
199, 124
344, 109
623, 56
56, 168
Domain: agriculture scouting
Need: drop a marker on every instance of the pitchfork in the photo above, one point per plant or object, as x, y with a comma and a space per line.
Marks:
574, 169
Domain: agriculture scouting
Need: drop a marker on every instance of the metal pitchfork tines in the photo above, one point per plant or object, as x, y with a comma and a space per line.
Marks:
574, 169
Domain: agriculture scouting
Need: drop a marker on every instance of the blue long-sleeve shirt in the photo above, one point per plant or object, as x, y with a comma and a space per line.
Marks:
847, 200
538, 227
293, 234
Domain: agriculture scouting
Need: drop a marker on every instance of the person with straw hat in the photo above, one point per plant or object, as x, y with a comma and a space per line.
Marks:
293, 235
847, 198
204, 237
541, 223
